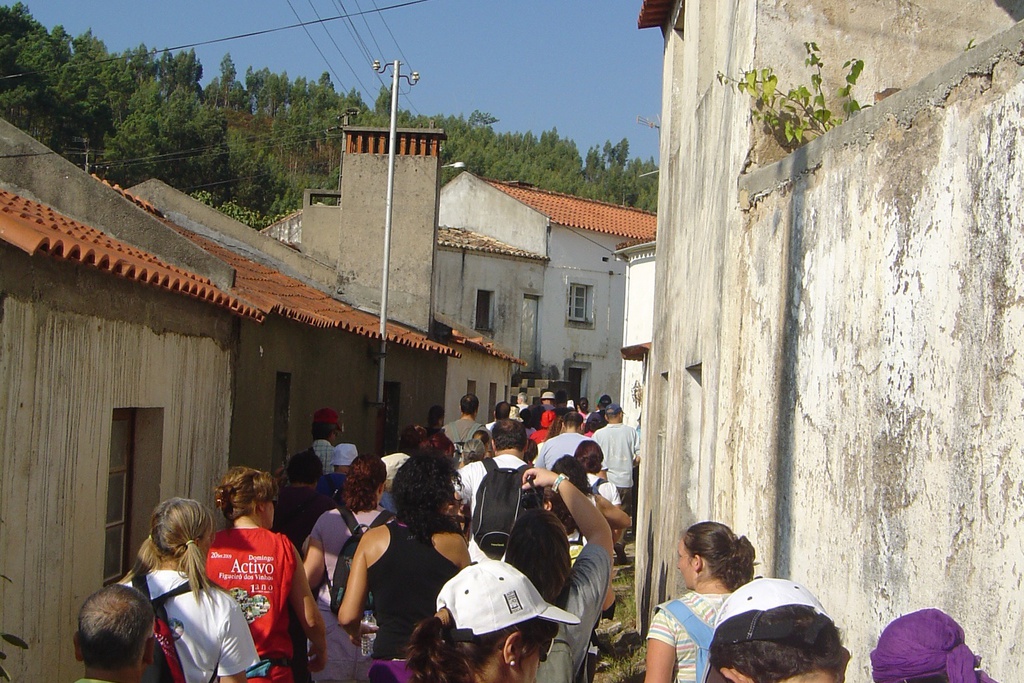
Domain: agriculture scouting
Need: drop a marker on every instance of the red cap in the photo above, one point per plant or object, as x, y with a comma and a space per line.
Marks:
327, 415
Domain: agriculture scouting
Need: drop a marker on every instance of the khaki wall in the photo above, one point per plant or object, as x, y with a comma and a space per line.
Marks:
74, 345
328, 367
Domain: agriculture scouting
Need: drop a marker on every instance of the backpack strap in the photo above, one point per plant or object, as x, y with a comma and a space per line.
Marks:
350, 520
383, 518
698, 630
489, 466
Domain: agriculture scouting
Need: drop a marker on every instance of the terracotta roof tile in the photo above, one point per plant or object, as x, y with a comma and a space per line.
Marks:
589, 214
654, 13
35, 228
271, 291
462, 335
459, 238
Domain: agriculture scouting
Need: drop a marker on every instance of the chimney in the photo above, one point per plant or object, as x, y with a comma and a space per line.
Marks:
348, 230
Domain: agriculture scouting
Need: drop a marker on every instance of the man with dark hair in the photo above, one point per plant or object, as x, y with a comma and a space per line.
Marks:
502, 411
775, 630
299, 504
509, 440
563, 444
561, 398
115, 635
460, 431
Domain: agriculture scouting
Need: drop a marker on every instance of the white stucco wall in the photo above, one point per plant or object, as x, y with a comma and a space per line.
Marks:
470, 203
460, 273
833, 373
638, 327
871, 376
584, 257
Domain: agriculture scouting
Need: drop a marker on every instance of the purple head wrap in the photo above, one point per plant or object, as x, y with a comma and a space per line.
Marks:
925, 643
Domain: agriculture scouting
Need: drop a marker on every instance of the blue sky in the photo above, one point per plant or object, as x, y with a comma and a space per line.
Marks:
580, 66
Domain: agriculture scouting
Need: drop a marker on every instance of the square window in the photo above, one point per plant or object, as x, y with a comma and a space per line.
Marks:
581, 303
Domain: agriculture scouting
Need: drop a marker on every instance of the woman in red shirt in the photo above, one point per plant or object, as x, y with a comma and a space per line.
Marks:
258, 568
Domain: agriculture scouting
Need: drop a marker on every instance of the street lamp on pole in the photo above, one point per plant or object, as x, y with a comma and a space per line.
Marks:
412, 79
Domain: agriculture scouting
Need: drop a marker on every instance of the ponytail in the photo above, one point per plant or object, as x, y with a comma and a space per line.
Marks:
177, 528
730, 559
432, 659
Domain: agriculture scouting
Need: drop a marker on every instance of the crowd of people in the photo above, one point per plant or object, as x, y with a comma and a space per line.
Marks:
477, 552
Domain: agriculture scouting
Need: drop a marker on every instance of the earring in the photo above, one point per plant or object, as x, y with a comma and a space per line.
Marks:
512, 663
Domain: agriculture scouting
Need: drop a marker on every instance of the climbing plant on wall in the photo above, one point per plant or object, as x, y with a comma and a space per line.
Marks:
802, 113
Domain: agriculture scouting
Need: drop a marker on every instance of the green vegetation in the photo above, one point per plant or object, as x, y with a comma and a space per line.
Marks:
254, 140
801, 114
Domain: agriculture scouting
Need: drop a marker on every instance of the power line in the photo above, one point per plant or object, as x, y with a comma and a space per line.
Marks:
214, 41
322, 55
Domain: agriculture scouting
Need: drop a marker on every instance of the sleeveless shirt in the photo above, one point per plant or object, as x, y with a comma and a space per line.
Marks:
405, 582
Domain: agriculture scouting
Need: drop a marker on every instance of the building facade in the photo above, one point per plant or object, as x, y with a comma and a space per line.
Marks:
567, 325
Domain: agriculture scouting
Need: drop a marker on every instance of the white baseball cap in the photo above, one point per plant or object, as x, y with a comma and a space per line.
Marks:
393, 462
344, 454
491, 595
739, 619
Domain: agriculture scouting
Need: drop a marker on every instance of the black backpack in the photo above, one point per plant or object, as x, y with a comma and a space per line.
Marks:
336, 584
166, 666
499, 499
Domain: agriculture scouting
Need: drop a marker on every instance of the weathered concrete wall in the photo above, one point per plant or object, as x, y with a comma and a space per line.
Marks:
209, 222
483, 370
832, 373
75, 344
327, 368
358, 245
870, 380
460, 273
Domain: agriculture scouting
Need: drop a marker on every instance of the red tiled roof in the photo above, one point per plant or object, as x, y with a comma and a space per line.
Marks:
466, 337
636, 351
35, 228
459, 238
589, 214
653, 13
274, 292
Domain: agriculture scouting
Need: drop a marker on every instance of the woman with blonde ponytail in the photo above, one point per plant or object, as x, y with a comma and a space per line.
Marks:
263, 572
211, 636
714, 562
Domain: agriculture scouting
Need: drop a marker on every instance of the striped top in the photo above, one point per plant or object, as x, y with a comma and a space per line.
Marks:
665, 628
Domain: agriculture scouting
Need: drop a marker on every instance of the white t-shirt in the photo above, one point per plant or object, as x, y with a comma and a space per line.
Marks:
607, 490
471, 475
557, 447
214, 633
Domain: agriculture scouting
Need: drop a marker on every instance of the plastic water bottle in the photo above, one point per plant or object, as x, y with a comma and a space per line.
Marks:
368, 638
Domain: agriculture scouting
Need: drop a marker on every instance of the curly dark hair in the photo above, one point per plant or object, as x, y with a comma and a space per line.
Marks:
365, 475
771, 661
423, 489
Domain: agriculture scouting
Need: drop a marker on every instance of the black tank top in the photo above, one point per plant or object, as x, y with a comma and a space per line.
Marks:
405, 582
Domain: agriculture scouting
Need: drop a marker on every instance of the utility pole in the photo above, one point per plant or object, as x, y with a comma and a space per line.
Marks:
396, 67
